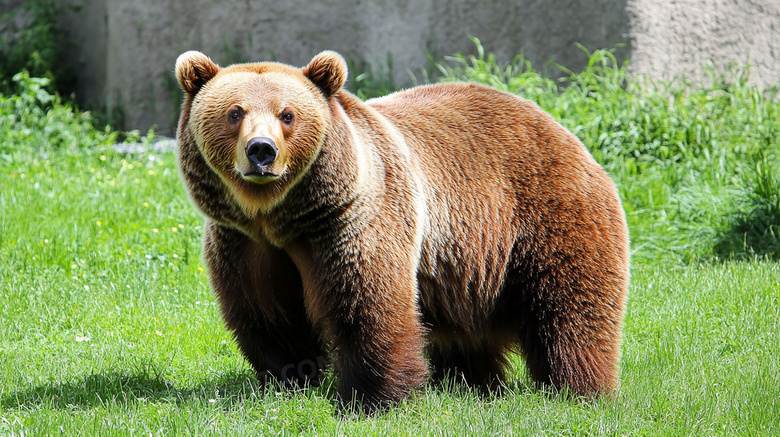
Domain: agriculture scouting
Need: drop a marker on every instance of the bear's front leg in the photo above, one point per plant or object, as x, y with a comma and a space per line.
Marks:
380, 358
380, 350
367, 306
261, 298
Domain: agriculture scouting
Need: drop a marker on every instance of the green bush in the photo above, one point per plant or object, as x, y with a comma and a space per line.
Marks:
36, 117
753, 227
368, 82
37, 47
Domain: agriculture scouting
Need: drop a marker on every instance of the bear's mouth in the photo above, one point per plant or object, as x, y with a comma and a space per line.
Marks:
260, 176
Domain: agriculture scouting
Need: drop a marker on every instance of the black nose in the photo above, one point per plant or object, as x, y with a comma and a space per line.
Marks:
261, 151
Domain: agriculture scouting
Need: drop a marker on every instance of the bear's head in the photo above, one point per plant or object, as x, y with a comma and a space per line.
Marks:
258, 126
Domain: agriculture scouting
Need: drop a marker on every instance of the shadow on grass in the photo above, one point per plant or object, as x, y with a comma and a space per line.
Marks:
753, 230
126, 388
749, 238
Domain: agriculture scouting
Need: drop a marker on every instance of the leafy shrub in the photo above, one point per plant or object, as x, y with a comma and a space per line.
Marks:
36, 47
36, 117
753, 228
367, 82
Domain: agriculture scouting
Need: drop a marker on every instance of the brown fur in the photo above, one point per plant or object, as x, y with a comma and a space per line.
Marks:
450, 220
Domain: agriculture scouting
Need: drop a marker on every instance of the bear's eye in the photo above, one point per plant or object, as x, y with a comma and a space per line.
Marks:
235, 115
287, 116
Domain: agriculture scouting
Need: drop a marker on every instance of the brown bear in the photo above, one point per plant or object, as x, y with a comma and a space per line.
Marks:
429, 232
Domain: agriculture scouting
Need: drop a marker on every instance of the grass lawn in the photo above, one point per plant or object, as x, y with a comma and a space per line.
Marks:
107, 324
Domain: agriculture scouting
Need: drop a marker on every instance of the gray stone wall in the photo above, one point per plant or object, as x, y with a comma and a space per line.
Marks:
680, 37
126, 48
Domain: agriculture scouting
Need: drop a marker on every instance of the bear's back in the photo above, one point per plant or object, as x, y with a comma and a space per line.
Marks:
473, 117
473, 138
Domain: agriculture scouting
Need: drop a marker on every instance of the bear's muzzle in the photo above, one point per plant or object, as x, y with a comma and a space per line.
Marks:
261, 153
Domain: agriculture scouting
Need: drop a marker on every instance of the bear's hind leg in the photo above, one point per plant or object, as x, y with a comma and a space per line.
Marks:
570, 337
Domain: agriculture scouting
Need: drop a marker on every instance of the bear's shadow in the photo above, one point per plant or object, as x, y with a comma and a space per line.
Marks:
97, 389
134, 387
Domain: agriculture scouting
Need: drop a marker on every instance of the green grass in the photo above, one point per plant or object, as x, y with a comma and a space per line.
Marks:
107, 324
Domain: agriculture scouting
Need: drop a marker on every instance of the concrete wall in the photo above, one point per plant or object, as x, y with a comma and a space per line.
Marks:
680, 37
127, 48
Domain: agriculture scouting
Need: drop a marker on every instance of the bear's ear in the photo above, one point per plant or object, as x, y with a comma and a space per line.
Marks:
193, 70
328, 71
